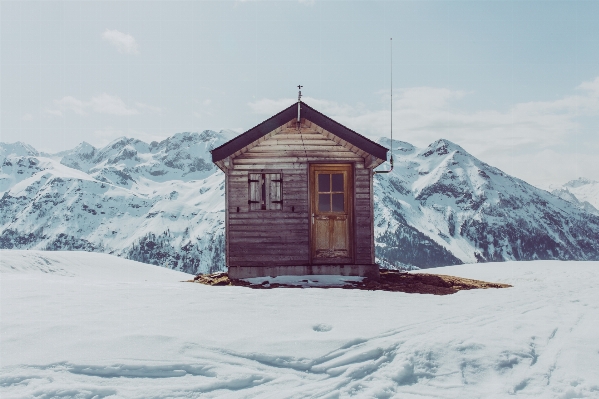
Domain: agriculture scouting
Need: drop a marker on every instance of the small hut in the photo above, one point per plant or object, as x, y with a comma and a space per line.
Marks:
299, 199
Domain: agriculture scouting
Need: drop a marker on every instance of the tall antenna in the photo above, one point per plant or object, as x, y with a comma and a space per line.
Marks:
299, 120
391, 73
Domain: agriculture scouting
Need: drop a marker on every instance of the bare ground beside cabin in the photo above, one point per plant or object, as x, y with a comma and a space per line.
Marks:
390, 280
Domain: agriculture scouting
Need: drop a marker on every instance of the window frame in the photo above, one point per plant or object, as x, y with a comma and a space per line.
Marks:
261, 186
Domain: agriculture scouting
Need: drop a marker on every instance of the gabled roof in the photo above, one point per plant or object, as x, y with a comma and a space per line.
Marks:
255, 133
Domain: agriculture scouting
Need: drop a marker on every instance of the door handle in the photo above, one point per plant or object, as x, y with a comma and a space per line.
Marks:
312, 218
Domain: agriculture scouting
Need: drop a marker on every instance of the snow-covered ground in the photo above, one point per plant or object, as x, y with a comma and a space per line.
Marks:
88, 325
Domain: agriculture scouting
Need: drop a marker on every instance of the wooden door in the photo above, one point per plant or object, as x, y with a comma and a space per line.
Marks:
331, 188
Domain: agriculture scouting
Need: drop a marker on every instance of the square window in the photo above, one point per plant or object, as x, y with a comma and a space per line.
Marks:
265, 191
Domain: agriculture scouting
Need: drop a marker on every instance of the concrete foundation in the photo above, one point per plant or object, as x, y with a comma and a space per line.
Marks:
238, 272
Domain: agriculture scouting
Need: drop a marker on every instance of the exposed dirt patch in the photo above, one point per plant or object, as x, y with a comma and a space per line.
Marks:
390, 280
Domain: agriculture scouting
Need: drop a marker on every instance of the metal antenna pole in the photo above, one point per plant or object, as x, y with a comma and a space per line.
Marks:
299, 100
299, 121
391, 159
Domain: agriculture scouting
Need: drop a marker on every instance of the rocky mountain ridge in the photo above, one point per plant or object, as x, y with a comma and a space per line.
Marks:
475, 211
163, 203
582, 192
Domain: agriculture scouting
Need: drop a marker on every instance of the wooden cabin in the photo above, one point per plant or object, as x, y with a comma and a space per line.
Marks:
299, 199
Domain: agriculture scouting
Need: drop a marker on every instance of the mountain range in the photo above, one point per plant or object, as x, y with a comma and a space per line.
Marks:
163, 203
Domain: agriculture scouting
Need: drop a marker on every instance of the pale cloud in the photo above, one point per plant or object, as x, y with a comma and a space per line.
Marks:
592, 86
111, 105
27, 117
522, 140
72, 104
55, 112
124, 43
101, 104
151, 108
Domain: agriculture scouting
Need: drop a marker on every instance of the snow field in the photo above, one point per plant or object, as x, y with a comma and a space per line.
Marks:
87, 325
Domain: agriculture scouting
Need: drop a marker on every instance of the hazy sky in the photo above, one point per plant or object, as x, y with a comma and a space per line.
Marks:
516, 83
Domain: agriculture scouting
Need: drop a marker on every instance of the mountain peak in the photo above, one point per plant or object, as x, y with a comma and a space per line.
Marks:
398, 146
19, 149
441, 147
581, 181
85, 148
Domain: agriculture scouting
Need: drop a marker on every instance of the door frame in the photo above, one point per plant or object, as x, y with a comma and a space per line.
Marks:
333, 165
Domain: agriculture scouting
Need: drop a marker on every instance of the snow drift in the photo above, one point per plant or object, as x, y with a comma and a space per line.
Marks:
85, 325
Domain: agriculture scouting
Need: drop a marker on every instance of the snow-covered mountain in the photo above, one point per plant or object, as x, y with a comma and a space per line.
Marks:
584, 193
158, 203
444, 199
163, 203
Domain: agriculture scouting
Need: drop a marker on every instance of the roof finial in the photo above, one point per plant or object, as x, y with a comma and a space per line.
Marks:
299, 100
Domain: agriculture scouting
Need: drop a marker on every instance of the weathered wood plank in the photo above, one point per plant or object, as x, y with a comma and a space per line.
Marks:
365, 230
241, 174
254, 166
363, 237
239, 192
297, 155
266, 215
297, 201
281, 149
265, 248
274, 223
265, 264
270, 257
296, 195
221, 165
281, 142
288, 162
265, 228
363, 257
261, 245
267, 260
296, 234
299, 207
296, 136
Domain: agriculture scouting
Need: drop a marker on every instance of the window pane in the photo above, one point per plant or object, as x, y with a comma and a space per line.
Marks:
324, 202
338, 203
255, 191
274, 191
338, 182
324, 183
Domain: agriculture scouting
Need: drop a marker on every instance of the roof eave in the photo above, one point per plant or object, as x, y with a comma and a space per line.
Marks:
289, 113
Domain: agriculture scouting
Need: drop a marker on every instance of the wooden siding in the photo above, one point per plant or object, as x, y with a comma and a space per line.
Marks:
282, 237
258, 132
